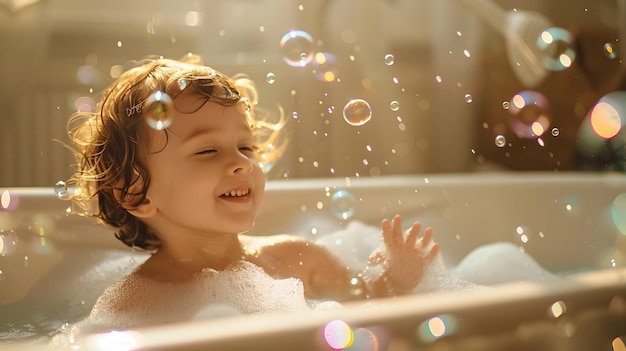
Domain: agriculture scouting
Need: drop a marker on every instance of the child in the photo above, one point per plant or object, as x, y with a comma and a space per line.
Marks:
171, 156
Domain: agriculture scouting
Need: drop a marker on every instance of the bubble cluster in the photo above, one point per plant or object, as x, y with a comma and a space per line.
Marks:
297, 48
342, 204
357, 112
158, 110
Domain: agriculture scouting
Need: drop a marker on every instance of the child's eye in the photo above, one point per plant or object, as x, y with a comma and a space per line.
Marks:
246, 149
206, 152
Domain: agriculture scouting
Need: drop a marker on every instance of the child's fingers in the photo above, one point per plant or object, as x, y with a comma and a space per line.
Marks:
426, 238
413, 234
430, 256
388, 238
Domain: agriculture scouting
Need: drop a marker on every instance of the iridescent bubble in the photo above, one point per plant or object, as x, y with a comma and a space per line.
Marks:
557, 48
437, 327
342, 204
389, 59
468, 98
500, 140
158, 110
394, 106
357, 112
297, 48
610, 51
270, 78
618, 212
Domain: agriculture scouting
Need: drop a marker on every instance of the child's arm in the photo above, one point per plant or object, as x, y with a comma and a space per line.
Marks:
404, 259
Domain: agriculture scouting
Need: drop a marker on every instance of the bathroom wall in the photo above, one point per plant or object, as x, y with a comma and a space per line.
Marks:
449, 77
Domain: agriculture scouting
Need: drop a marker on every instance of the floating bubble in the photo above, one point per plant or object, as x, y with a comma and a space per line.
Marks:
270, 78
610, 51
342, 204
357, 112
618, 212
338, 334
557, 48
530, 114
158, 110
61, 190
557, 309
389, 59
605, 120
297, 48
324, 64
468, 98
505, 105
555, 132
394, 106
182, 83
500, 140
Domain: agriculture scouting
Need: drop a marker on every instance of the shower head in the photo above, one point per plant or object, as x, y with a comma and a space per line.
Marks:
520, 30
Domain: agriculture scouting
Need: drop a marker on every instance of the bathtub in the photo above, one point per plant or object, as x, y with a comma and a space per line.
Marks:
54, 265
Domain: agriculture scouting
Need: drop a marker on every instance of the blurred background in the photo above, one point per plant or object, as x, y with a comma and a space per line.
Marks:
369, 88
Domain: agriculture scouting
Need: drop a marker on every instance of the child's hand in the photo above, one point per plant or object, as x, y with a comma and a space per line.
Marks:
404, 260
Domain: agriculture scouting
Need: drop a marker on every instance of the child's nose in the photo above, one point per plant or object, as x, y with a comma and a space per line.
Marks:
240, 164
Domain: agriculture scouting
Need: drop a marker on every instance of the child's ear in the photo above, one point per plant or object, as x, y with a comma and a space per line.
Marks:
146, 209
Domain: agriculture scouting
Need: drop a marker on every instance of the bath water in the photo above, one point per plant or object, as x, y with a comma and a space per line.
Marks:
246, 288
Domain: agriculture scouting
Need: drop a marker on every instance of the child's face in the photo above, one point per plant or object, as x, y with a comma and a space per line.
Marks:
204, 173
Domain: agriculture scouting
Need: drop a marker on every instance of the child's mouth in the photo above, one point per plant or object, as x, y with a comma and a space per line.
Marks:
237, 195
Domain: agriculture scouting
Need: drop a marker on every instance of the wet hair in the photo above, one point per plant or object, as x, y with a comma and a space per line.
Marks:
111, 145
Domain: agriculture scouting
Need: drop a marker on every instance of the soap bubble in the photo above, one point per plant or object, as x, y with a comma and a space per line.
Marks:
468, 98
357, 112
500, 140
324, 64
394, 106
505, 105
342, 204
158, 110
610, 51
338, 335
64, 190
389, 59
529, 114
297, 48
557, 48
270, 78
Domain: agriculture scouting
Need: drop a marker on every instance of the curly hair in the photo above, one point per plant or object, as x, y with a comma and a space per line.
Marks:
110, 145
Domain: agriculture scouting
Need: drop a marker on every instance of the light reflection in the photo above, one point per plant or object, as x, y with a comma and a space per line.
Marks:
557, 309
338, 334
437, 327
116, 341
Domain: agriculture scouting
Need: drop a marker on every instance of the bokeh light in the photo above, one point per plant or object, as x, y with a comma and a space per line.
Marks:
557, 48
158, 110
357, 112
297, 48
557, 309
338, 334
116, 341
437, 327
605, 120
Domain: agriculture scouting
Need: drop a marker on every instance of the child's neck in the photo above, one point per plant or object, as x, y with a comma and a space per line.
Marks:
191, 257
